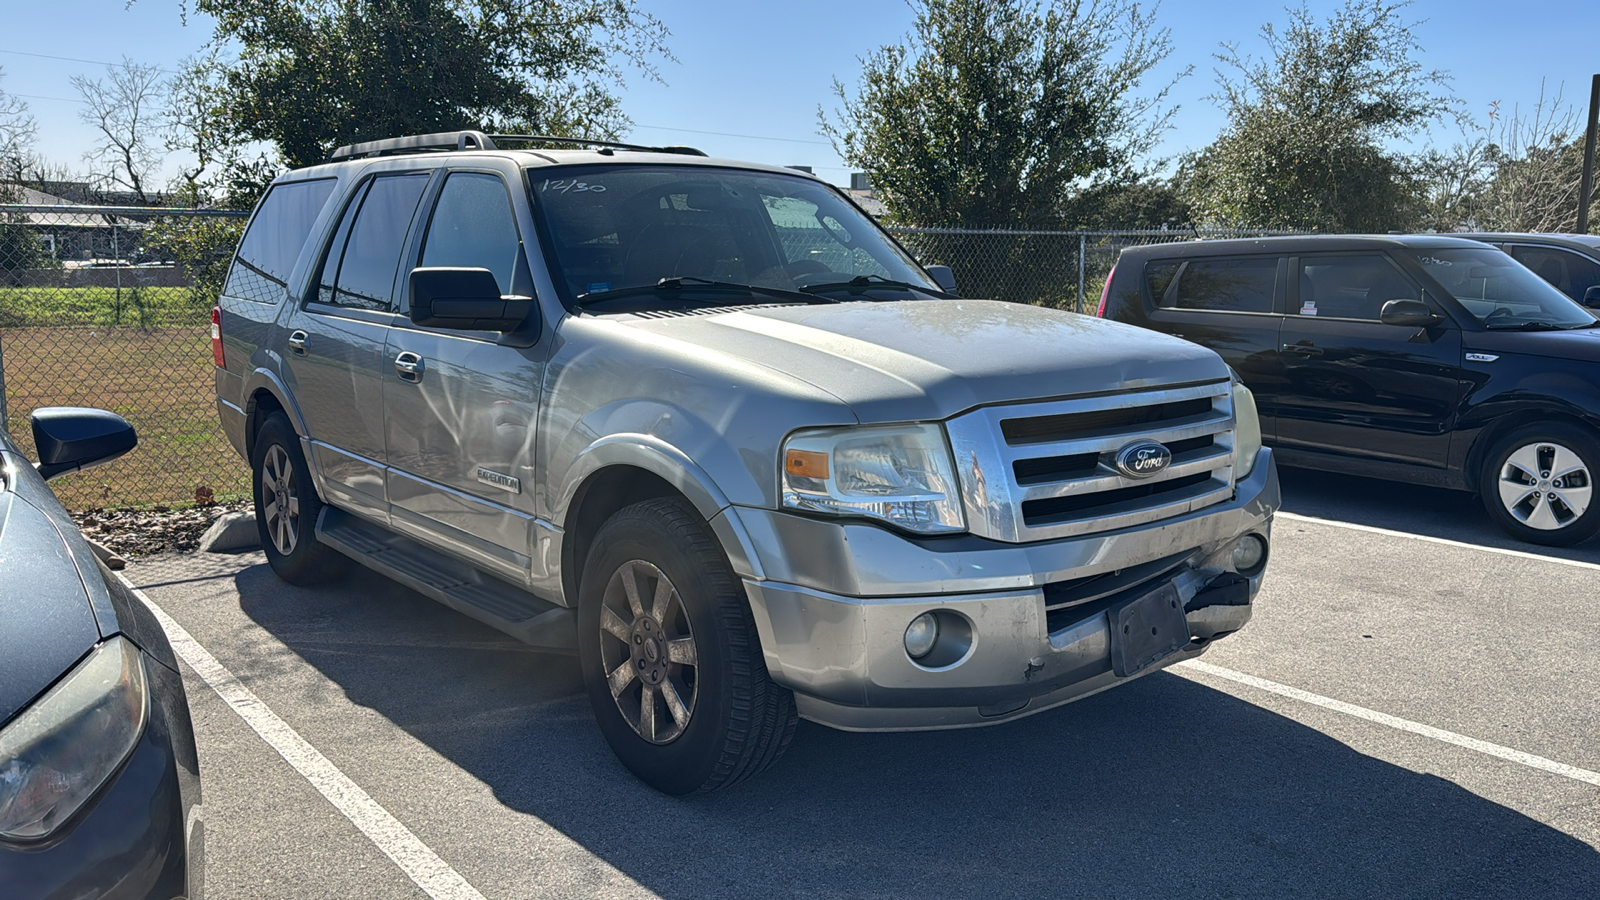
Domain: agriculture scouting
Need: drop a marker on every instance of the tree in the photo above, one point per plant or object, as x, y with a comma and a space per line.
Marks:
17, 132
1304, 143
999, 112
126, 109
310, 75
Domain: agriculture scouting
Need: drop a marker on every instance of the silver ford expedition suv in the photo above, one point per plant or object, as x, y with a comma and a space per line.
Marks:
707, 424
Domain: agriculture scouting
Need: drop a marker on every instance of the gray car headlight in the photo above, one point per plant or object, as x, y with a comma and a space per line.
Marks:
899, 474
1246, 432
57, 753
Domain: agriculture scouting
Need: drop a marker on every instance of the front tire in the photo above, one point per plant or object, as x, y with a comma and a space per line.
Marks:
670, 655
287, 507
1538, 484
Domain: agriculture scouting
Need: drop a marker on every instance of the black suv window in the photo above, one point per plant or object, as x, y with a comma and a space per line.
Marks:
365, 253
473, 226
277, 233
1350, 287
1227, 285
1570, 272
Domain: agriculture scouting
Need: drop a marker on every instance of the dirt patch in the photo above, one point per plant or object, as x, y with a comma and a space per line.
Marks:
141, 532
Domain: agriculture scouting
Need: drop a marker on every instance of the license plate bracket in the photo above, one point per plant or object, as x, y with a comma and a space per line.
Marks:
1146, 630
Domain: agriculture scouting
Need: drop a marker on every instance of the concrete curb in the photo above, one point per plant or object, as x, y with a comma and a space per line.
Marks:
231, 533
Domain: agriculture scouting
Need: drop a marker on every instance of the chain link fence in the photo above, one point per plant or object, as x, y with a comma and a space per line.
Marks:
110, 307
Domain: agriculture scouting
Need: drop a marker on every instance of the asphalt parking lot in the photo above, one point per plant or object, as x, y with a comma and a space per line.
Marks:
1412, 713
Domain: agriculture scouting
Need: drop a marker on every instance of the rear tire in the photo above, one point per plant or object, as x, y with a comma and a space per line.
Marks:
670, 655
1538, 484
287, 507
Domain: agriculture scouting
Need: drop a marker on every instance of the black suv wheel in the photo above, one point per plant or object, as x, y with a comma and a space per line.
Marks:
670, 655
1538, 484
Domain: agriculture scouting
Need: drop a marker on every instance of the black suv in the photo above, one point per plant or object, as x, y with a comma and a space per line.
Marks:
1428, 359
1571, 262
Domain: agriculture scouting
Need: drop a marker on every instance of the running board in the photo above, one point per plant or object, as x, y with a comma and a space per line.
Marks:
454, 583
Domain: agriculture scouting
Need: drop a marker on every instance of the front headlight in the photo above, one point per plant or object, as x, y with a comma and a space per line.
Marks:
900, 474
57, 753
1246, 432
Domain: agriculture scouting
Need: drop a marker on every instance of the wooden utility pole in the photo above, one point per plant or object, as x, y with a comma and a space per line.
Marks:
1586, 184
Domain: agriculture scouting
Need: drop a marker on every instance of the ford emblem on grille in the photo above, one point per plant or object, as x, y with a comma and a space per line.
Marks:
1142, 459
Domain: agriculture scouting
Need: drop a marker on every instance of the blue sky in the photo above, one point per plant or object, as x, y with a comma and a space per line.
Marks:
760, 69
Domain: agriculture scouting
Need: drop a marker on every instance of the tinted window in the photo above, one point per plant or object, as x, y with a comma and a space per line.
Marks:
1233, 285
1571, 273
341, 236
1500, 293
1159, 276
277, 233
371, 248
1350, 287
473, 227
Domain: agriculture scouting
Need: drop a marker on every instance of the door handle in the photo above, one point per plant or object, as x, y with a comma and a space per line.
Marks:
408, 366
1303, 348
297, 343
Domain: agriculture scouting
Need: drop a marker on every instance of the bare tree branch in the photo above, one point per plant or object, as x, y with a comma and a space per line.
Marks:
126, 108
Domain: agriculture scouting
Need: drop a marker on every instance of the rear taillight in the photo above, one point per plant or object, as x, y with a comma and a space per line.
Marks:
216, 337
1104, 293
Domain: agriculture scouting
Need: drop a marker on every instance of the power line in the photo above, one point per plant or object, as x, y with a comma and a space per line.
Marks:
42, 97
754, 137
92, 62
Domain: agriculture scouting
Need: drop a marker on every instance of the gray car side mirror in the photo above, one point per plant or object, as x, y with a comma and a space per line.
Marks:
71, 438
1411, 313
465, 299
1591, 297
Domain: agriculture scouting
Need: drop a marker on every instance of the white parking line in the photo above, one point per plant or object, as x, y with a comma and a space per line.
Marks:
1427, 731
1521, 554
415, 859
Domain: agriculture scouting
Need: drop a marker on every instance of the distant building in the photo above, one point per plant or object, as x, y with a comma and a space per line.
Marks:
861, 192
805, 169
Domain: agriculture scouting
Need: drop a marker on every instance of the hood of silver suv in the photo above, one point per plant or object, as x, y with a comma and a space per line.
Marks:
925, 360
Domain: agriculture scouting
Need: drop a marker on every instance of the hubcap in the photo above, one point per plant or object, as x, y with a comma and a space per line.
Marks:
648, 651
1545, 486
280, 504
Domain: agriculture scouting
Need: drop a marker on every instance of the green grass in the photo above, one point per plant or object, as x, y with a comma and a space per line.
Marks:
150, 307
159, 379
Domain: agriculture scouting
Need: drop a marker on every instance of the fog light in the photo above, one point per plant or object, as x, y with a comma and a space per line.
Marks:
1249, 553
921, 635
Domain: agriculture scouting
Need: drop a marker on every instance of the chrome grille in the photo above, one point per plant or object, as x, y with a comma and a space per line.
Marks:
1045, 470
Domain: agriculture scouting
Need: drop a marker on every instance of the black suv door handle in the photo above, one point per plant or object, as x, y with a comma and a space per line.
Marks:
408, 366
297, 343
1303, 348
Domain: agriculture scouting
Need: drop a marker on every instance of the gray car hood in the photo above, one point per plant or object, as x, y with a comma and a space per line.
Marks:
46, 621
925, 360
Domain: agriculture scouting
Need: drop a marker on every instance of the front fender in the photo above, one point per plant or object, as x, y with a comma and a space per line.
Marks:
675, 467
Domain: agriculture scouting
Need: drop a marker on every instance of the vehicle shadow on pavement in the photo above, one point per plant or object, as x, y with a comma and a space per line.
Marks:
1412, 508
1163, 788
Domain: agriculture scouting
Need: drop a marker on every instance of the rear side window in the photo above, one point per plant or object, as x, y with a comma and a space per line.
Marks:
365, 254
1227, 285
1158, 275
1571, 273
277, 234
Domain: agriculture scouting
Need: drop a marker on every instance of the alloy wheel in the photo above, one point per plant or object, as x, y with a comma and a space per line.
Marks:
648, 651
280, 503
1545, 486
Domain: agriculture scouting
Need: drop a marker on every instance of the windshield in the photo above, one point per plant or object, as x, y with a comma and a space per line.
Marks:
618, 228
1500, 292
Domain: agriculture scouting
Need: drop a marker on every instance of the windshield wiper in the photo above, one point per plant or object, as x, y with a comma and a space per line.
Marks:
1530, 326
865, 282
680, 283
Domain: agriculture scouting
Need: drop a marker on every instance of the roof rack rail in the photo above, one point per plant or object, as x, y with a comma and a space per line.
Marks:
591, 142
477, 140
444, 140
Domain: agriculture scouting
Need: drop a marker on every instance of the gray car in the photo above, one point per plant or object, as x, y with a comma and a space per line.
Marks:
707, 424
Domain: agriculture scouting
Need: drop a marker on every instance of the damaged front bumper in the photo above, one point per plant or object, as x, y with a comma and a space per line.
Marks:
1026, 626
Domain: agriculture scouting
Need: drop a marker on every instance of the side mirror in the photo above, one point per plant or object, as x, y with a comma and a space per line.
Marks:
1591, 297
71, 439
1411, 313
943, 277
465, 300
